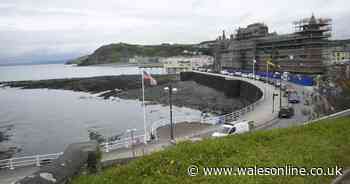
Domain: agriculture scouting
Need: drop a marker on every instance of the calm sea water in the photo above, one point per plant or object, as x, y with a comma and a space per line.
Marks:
57, 71
46, 121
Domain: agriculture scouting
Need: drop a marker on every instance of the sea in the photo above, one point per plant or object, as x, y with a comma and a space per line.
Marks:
43, 121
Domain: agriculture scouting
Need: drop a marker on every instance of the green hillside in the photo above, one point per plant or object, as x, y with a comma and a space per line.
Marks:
322, 144
121, 52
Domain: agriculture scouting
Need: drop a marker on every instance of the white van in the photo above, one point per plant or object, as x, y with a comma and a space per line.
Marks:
233, 128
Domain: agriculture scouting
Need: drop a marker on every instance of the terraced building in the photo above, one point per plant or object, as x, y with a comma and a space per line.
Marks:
303, 51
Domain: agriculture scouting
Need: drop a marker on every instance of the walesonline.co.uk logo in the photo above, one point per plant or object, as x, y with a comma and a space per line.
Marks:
287, 170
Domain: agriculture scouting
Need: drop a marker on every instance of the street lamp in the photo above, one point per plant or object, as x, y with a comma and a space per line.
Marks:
131, 131
170, 91
254, 61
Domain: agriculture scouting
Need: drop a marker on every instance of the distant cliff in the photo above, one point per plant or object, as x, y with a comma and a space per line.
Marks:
121, 52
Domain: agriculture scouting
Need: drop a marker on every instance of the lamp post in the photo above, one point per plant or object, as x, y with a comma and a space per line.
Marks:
281, 84
170, 91
254, 61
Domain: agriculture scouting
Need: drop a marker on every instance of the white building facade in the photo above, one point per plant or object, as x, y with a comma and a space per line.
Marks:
179, 64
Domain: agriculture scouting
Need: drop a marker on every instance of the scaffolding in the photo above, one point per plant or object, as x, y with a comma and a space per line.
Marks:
298, 52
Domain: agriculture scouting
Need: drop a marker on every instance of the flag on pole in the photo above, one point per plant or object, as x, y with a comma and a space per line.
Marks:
153, 82
147, 76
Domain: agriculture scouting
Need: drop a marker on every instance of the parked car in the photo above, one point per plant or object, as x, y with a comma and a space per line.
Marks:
244, 75
293, 97
286, 112
285, 76
233, 128
277, 83
257, 77
251, 76
238, 74
224, 72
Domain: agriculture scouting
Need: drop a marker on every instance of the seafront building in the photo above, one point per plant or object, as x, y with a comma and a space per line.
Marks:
338, 52
175, 64
184, 63
304, 51
144, 60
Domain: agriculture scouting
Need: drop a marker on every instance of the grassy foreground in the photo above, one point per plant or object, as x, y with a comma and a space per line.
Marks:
323, 144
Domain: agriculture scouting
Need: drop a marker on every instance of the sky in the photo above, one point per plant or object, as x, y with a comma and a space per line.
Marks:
40, 30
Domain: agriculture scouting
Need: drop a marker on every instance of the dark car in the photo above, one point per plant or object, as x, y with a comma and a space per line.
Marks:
286, 112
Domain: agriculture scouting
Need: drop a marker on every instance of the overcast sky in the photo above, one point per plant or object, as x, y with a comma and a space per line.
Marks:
32, 30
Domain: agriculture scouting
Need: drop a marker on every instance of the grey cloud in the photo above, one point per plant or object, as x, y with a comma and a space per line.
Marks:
30, 28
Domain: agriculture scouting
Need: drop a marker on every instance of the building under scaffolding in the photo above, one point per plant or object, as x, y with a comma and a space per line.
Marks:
299, 52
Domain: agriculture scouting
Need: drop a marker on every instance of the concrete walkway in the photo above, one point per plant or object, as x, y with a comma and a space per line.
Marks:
182, 131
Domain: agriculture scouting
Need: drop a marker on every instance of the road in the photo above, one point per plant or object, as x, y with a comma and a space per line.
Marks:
302, 109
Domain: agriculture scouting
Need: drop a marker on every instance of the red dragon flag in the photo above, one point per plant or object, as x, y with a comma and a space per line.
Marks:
147, 76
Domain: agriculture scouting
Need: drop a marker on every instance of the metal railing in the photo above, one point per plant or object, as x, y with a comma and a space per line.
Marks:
335, 115
36, 160
123, 143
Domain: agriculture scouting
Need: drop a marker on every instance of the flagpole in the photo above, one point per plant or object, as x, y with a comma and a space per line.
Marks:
144, 108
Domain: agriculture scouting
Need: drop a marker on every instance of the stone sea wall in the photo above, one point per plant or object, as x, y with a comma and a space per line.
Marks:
231, 88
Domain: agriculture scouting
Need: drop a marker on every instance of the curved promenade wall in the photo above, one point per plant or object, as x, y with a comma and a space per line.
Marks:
231, 88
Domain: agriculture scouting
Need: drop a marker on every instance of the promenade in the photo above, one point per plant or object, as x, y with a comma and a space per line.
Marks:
261, 114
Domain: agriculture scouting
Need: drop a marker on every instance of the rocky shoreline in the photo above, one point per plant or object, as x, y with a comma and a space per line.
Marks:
190, 94
6, 149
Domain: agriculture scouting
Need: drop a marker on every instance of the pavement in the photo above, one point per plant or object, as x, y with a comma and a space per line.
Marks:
182, 131
11, 176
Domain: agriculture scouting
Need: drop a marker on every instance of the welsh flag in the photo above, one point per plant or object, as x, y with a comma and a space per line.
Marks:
147, 76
